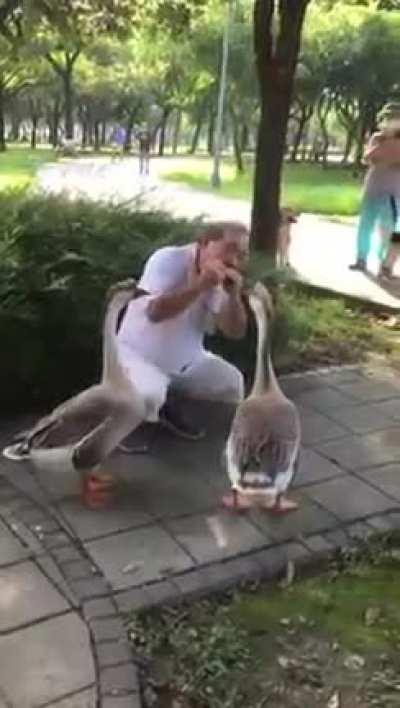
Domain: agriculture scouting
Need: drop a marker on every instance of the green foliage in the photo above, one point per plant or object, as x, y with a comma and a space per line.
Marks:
306, 187
56, 261
294, 645
204, 653
18, 166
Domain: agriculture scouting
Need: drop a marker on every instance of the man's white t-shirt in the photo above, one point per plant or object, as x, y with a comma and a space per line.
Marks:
177, 342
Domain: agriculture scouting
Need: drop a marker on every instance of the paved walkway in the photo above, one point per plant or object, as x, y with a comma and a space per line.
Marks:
321, 251
68, 574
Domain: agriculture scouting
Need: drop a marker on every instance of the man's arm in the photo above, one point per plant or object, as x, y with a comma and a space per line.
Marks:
172, 301
171, 304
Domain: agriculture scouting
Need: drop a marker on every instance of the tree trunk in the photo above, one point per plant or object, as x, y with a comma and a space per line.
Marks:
84, 128
197, 131
177, 130
361, 139
129, 129
15, 126
163, 128
90, 130
103, 132
34, 120
244, 137
97, 135
323, 109
305, 116
237, 144
3, 145
211, 133
68, 104
348, 146
54, 123
275, 67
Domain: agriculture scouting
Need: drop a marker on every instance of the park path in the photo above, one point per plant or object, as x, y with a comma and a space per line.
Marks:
322, 248
69, 575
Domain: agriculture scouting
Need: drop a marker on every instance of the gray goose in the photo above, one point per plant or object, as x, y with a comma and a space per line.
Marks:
78, 435
262, 449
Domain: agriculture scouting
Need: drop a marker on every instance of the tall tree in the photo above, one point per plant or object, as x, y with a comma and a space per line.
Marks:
15, 75
277, 35
66, 27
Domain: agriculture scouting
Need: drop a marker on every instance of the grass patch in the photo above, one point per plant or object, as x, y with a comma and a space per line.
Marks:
317, 329
18, 166
331, 640
306, 187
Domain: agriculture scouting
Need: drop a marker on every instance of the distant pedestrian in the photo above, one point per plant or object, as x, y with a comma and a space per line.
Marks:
382, 182
393, 251
118, 138
145, 140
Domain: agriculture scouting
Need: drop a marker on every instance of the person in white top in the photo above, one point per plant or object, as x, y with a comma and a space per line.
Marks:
188, 291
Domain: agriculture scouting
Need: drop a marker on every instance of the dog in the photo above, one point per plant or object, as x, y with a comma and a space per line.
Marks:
287, 218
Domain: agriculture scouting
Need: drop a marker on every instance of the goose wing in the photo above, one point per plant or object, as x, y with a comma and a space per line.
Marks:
70, 421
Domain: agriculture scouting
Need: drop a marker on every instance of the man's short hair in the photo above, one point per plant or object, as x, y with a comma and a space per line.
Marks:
216, 231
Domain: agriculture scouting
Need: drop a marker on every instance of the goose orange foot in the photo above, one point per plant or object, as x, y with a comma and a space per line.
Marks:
98, 490
236, 501
282, 506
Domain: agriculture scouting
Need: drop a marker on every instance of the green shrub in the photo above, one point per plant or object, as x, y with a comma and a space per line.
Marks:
57, 259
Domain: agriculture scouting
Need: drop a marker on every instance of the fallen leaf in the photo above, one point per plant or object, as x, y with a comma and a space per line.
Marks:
133, 567
354, 662
283, 662
334, 701
290, 572
285, 621
372, 615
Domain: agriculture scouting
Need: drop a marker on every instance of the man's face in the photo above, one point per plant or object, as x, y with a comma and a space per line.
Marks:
232, 250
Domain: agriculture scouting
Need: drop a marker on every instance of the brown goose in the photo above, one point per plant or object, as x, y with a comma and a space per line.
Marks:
80, 433
263, 446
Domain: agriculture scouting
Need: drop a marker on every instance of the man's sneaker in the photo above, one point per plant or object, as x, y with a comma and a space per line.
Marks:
360, 264
171, 419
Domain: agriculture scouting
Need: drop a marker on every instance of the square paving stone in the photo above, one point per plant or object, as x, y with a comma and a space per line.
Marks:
135, 557
26, 595
309, 519
46, 661
363, 418
386, 478
11, 550
325, 398
374, 390
91, 523
83, 699
342, 376
391, 408
172, 481
294, 386
316, 427
209, 537
131, 701
116, 680
349, 498
357, 452
314, 468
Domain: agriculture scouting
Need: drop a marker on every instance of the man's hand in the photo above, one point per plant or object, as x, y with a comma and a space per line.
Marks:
233, 281
212, 274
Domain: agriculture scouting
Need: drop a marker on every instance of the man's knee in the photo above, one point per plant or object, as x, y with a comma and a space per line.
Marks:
233, 389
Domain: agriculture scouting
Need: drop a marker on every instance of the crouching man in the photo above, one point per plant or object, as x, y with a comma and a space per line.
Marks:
189, 291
